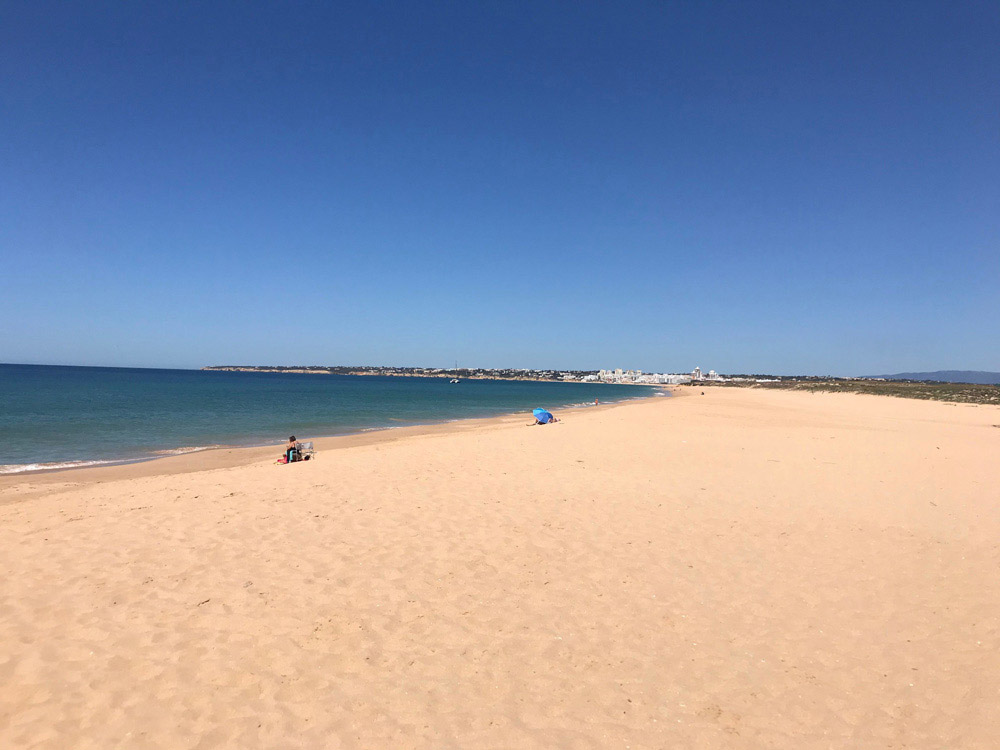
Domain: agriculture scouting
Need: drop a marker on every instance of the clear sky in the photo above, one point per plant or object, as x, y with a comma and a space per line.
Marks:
800, 187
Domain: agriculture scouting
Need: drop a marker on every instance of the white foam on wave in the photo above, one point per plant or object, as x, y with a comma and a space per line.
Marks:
52, 466
185, 449
57, 465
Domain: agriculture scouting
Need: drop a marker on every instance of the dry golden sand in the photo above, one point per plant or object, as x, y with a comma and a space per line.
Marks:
741, 569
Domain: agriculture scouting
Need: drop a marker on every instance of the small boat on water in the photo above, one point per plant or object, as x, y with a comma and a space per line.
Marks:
454, 380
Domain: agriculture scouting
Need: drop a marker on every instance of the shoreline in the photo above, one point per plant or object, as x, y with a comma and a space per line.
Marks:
232, 456
70, 417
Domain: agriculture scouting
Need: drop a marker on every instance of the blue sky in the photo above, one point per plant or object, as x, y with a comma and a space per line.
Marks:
752, 187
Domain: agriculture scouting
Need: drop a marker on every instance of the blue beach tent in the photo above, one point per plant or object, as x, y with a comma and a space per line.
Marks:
542, 416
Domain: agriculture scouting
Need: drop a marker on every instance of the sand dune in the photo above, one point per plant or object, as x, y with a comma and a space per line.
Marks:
743, 569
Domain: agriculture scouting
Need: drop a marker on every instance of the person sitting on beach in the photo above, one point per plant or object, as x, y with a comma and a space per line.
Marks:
543, 417
291, 450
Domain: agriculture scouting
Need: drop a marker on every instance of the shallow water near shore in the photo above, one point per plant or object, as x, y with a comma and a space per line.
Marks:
64, 417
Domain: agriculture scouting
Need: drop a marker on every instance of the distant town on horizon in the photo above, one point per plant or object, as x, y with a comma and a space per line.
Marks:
618, 375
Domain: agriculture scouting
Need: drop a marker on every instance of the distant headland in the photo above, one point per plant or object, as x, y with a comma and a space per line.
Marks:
889, 385
949, 376
463, 373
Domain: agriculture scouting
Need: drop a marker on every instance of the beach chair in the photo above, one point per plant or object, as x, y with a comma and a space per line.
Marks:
306, 449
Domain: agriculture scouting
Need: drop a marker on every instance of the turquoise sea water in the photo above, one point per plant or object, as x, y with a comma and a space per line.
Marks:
56, 417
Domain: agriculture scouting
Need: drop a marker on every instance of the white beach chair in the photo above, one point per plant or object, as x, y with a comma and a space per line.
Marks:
306, 450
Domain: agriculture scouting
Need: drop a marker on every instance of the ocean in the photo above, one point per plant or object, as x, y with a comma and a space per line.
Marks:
63, 417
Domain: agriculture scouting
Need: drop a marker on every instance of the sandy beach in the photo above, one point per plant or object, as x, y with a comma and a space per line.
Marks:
739, 569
